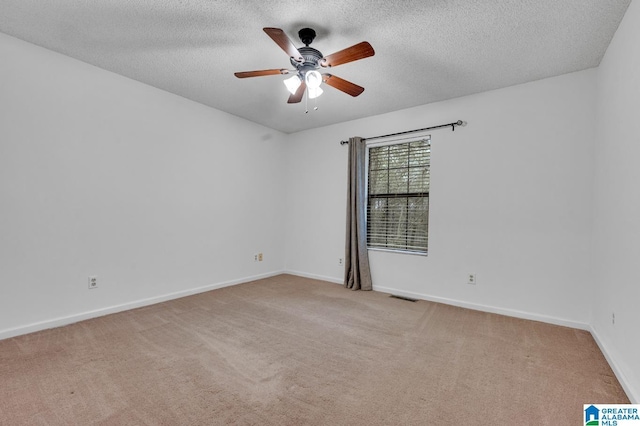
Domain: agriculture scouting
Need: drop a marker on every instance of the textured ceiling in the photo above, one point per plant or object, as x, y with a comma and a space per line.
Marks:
426, 50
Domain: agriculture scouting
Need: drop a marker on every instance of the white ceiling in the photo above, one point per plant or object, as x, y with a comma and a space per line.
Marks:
426, 50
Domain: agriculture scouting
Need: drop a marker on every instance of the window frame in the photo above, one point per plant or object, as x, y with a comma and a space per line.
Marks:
387, 142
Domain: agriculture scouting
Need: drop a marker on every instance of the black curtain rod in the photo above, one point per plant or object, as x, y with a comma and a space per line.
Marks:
453, 128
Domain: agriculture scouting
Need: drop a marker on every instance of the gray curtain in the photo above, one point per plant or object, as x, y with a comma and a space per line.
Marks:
357, 273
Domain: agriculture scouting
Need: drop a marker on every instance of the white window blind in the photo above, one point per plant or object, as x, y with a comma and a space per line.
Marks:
398, 196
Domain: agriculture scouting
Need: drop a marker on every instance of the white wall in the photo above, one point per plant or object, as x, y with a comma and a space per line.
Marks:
617, 203
511, 200
161, 197
101, 175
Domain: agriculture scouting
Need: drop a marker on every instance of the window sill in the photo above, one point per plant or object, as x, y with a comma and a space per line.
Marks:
414, 253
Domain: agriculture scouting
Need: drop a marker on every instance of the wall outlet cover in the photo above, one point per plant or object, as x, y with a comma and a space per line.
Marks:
93, 282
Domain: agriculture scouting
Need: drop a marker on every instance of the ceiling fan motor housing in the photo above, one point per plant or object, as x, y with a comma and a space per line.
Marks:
311, 60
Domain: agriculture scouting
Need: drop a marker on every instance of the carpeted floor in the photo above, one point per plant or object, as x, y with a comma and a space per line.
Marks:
294, 351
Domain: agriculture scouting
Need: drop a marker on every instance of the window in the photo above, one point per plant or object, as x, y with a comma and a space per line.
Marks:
398, 196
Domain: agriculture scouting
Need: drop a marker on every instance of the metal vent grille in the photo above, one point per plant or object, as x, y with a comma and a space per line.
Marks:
408, 299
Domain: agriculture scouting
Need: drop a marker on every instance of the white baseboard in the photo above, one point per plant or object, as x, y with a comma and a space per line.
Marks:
70, 319
453, 302
315, 277
633, 394
486, 308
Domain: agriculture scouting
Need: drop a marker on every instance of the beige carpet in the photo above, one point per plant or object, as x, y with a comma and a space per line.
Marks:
294, 351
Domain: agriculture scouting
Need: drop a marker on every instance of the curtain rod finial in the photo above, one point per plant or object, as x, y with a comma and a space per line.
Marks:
457, 123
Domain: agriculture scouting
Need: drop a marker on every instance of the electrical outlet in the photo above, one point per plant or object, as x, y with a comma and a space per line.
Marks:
340, 261
471, 279
93, 282
255, 257
613, 318
259, 257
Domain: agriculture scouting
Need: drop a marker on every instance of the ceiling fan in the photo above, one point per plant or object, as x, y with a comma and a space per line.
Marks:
307, 61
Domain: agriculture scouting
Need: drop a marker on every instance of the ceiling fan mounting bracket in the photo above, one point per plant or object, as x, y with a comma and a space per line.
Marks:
306, 36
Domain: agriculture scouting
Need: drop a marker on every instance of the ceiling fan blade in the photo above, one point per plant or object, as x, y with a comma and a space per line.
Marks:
284, 42
341, 84
357, 51
297, 97
260, 73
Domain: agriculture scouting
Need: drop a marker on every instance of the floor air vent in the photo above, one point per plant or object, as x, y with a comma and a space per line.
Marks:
408, 299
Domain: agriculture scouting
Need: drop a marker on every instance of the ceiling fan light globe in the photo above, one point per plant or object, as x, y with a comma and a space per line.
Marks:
314, 92
292, 84
313, 79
